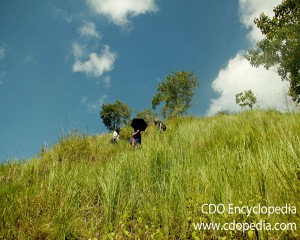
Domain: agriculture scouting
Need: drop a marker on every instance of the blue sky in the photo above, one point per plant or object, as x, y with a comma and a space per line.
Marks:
60, 60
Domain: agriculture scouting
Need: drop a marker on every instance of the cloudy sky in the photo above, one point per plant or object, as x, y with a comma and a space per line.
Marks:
60, 60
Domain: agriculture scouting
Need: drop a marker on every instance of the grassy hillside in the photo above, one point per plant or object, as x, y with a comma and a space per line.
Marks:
87, 188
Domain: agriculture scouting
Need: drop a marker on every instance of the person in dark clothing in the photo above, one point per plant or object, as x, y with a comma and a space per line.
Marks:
136, 138
159, 124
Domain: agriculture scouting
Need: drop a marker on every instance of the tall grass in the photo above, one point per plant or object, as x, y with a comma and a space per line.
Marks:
85, 187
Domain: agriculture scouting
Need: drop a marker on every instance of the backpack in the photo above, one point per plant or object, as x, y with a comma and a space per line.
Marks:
163, 127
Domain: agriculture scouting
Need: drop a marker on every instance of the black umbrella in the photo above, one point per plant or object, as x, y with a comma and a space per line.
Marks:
139, 123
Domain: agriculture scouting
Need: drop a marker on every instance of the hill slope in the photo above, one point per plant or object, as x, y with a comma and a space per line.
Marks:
86, 187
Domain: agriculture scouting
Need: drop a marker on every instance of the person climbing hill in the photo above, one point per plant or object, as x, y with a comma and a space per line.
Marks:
136, 138
116, 134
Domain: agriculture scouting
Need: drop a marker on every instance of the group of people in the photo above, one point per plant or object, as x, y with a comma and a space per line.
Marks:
160, 125
136, 137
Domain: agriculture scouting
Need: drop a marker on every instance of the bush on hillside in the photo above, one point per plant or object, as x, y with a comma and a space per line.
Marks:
75, 147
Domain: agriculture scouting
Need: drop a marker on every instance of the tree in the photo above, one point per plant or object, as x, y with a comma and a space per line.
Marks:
176, 92
280, 48
148, 115
115, 114
246, 98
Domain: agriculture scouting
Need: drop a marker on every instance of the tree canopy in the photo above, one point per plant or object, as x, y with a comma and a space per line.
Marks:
176, 93
245, 99
115, 114
280, 48
148, 115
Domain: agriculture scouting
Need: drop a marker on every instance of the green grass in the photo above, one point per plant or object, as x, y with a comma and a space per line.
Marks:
85, 187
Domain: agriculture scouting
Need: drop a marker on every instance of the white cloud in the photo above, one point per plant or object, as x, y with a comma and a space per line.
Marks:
250, 9
83, 100
57, 12
89, 30
239, 75
107, 81
3, 50
120, 11
30, 59
93, 107
78, 50
97, 65
2, 53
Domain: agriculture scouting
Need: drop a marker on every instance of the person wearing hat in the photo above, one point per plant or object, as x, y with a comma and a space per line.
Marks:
116, 134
